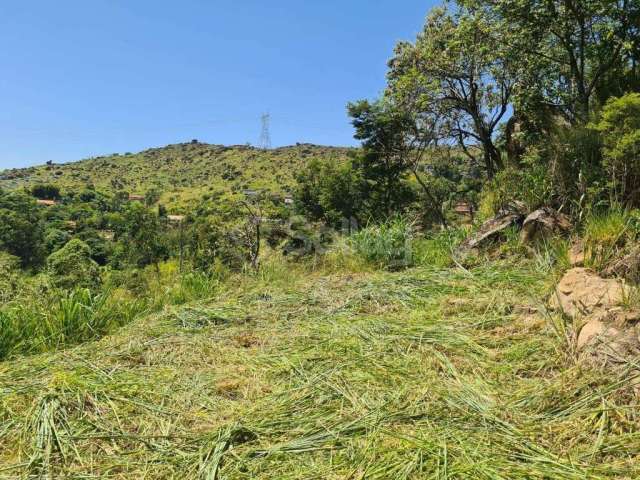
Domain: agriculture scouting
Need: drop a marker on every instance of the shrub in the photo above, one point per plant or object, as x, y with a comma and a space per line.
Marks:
9, 276
46, 191
72, 266
386, 245
619, 125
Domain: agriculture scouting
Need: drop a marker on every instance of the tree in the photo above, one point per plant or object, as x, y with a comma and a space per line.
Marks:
139, 230
72, 266
45, 192
457, 79
330, 192
619, 125
570, 48
21, 228
383, 163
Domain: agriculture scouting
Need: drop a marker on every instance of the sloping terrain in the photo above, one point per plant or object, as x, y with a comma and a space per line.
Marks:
426, 373
179, 172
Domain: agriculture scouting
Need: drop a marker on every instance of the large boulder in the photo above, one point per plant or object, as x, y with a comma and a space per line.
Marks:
543, 223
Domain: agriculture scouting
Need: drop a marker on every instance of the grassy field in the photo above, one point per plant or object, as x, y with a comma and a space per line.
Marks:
181, 173
292, 373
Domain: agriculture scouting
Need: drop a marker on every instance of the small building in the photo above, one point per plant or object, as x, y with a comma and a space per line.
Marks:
464, 209
175, 218
136, 198
46, 203
288, 200
107, 234
250, 193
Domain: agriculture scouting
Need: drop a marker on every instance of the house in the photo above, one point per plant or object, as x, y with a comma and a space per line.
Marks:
288, 200
136, 198
175, 218
250, 193
46, 203
464, 209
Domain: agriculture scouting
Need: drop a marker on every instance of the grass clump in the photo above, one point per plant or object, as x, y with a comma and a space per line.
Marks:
606, 234
385, 245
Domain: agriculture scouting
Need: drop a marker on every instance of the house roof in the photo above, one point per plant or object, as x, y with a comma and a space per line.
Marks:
46, 203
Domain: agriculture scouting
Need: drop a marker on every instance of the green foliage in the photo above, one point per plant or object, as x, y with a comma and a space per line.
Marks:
54, 239
619, 124
385, 162
74, 317
181, 174
330, 192
139, 233
46, 191
437, 249
605, 235
386, 245
72, 267
21, 229
9, 277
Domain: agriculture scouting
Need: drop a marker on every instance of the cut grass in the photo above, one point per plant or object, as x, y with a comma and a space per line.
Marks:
425, 373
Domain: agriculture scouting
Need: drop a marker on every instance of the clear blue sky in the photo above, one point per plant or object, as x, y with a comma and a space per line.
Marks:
87, 77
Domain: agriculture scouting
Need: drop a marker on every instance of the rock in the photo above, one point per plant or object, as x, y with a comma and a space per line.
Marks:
593, 328
582, 292
603, 340
543, 223
576, 255
627, 267
491, 230
609, 332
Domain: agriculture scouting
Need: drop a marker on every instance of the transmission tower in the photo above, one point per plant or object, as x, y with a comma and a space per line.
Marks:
265, 135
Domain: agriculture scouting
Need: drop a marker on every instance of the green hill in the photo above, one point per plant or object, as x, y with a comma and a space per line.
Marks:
181, 173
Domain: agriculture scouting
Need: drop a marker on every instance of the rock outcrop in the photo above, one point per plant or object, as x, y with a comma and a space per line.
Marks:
607, 330
494, 228
543, 223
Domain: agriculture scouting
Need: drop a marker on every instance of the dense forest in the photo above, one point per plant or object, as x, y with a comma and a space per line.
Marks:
496, 107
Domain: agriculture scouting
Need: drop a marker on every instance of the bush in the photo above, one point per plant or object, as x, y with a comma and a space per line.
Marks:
619, 125
387, 245
9, 276
46, 191
72, 266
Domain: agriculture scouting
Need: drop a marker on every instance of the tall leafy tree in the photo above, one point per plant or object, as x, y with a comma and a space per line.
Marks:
21, 228
460, 74
570, 47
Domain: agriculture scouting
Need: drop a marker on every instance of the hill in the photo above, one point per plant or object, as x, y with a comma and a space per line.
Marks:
180, 173
427, 373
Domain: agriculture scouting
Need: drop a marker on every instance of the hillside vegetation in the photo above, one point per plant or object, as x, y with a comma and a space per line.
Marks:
180, 173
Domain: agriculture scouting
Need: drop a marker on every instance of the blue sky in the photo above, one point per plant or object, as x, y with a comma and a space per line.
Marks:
84, 78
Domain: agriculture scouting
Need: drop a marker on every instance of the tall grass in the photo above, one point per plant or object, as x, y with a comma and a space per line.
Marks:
77, 316
605, 234
437, 249
387, 245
